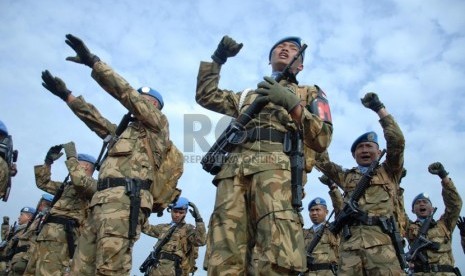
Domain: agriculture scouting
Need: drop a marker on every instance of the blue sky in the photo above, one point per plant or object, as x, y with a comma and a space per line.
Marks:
412, 53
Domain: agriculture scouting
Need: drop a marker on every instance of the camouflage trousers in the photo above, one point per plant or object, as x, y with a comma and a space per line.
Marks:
164, 268
255, 210
104, 247
378, 260
52, 251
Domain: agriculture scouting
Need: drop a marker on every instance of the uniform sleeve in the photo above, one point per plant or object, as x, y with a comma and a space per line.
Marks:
143, 110
453, 203
43, 181
336, 199
3, 176
198, 235
152, 230
395, 145
92, 117
335, 172
317, 134
85, 186
210, 96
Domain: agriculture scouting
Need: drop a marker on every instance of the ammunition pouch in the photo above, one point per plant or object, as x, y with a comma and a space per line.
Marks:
69, 224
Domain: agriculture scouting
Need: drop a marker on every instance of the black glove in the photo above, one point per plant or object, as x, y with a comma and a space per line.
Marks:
53, 154
325, 180
83, 55
55, 85
372, 102
438, 169
70, 150
277, 93
227, 47
461, 226
195, 212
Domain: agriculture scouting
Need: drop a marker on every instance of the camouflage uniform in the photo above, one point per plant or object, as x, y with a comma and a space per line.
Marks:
16, 250
4, 174
439, 232
253, 198
174, 254
325, 254
370, 250
29, 236
5, 238
127, 158
55, 246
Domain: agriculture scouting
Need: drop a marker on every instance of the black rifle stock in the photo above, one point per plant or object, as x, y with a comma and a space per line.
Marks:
421, 243
314, 242
110, 140
233, 135
153, 257
293, 146
350, 208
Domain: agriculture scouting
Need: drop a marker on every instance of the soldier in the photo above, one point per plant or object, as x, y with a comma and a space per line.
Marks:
367, 247
438, 250
29, 235
324, 256
174, 255
59, 231
461, 226
4, 235
14, 250
123, 200
253, 199
7, 158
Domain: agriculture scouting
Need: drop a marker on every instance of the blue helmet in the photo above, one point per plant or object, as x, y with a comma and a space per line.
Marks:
317, 201
152, 92
293, 39
87, 158
3, 129
47, 197
29, 210
421, 196
370, 136
181, 203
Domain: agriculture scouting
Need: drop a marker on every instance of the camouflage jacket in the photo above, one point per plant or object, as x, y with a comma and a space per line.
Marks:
128, 156
441, 231
14, 244
183, 240
381, 197
4, 174
72, 203
253, 157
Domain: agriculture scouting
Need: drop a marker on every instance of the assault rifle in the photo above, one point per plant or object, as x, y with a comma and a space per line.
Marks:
293, 146
235, 133
110, 140
314, 242
154, 256
351, 209
10, 156
421, 243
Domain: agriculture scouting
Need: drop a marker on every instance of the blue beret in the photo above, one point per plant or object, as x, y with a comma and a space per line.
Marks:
294, 39
86, 158
420, 196
152, 92
28, 210
3, 129
317, 201
370, 136
181, 203
47, 197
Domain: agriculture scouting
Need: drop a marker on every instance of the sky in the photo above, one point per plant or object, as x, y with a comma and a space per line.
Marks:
411, 53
